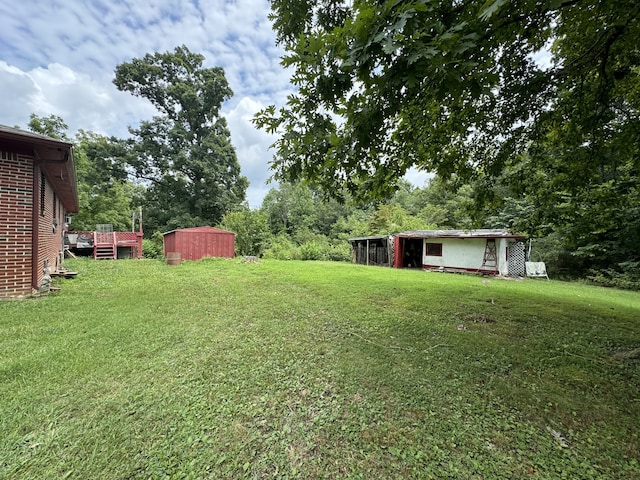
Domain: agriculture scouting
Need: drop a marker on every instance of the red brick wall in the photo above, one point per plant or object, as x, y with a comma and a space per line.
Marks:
50, 239
16, 225
16, 200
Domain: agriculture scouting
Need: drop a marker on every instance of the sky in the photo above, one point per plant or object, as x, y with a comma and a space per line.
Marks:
58, 57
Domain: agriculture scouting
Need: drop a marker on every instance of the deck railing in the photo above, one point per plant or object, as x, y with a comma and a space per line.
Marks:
105, 245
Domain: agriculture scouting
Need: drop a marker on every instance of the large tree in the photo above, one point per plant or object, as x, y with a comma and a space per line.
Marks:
184, 154
451, 86
290, 208
534, 103
104, 193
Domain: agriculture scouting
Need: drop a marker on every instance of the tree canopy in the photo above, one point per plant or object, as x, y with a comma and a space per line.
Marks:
534, 105
104, 193
52, 126
454, 87
184, 155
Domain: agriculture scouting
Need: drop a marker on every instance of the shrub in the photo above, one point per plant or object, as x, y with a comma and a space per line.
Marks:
340, 252
153, 247
314, 250
251, 228
282, 248
626, 276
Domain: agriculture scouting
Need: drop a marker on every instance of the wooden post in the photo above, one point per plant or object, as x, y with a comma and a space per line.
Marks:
367, 251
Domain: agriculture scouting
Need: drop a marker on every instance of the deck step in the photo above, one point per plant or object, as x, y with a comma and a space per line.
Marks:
105, 252
104, 245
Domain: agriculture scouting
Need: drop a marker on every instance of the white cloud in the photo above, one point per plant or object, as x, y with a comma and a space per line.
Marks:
81, 101
58, 57
18, 90
252, 147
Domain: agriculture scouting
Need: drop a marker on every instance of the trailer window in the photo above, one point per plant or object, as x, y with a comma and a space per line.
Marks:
433, 249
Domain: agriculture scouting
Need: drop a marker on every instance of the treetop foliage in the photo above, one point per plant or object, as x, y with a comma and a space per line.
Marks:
52, 126
449, 86
185, 154
177, 85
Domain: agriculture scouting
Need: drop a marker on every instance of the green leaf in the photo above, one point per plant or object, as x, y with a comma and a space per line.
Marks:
490, 8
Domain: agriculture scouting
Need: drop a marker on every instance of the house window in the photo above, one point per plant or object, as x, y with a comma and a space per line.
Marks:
55, 205
433, 249
43, 191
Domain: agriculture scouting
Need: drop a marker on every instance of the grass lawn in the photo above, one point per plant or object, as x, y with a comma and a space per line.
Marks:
221, 369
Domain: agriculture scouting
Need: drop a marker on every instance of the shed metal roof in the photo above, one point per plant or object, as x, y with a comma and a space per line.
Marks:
204, 229
478, 233
372, 237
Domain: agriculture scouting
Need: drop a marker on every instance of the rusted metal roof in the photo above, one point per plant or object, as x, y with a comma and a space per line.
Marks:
478, 233
373, 237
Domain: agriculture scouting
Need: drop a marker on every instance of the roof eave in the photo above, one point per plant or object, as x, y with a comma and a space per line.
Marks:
55, 158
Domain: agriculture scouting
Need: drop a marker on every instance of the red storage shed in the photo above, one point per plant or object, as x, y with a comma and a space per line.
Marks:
199, 242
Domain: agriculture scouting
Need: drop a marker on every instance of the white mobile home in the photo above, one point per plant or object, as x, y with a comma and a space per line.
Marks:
486, 251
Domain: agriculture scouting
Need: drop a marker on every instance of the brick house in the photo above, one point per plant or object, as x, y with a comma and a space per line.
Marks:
37, 190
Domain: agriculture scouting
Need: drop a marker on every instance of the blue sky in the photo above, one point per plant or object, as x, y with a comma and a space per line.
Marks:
58, 57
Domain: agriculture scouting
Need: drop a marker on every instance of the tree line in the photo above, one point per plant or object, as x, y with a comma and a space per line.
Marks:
535, 104
550, 150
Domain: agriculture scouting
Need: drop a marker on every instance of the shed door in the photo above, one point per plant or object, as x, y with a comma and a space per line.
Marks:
412, 252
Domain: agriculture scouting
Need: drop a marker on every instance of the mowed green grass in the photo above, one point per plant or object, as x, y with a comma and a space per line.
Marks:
222, 369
